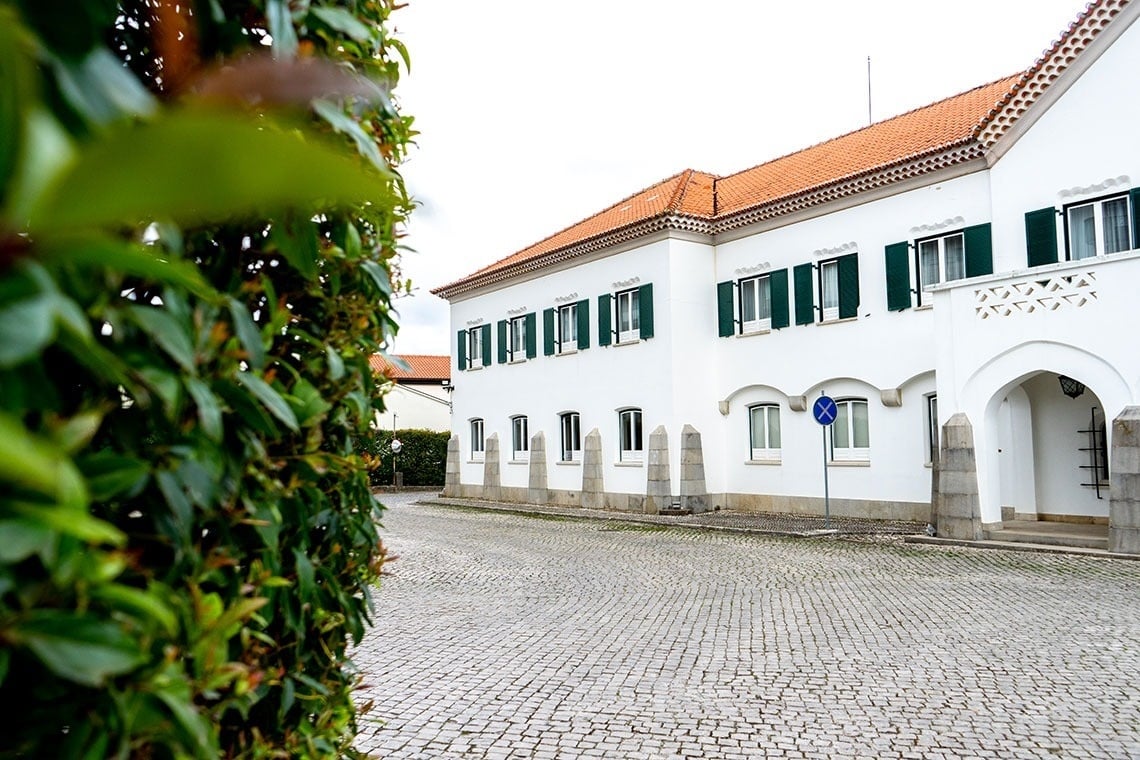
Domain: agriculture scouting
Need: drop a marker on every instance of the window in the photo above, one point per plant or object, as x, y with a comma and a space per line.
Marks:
827, 291
570, 426
764, 432
477, 440
628, 315
517, 346
629, 434
473, 347
850, 439
568, 328
932, 439
520, 441
755, 304
1098, 228
940, 259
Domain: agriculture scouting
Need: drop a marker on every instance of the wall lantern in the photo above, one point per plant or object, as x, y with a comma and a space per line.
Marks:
1071, 387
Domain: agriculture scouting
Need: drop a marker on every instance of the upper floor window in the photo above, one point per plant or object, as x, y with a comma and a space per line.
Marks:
517, 346
520, 440
755, 304
568, 328
827, 291
850, 436
631, 448
571, 436
474, 347
477, 439
628, 315
764, 431
940, 259
517, 339
1099, 227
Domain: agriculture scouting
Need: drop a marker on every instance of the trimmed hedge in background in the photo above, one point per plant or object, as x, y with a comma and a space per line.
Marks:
191, 285
422, 459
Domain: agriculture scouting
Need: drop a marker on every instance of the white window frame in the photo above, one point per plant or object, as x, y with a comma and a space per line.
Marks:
949, 266
475, 347
1097, 207
516, 339
760, 283
567, 316
631, 440
829, 290
570, 437
933, 434
848, 450
771, 451
478, 439
627, 315
520, 438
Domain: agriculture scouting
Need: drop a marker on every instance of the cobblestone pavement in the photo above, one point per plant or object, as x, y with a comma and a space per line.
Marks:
509, 636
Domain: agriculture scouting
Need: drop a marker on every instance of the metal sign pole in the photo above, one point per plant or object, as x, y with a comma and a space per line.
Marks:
825, 412
826, 490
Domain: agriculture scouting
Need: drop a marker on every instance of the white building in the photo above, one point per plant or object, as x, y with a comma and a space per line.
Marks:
960, 259
420, 396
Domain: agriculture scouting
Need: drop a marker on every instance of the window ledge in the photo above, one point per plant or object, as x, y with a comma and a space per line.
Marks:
836, 321
518, 461
517, 361
628, 464
750, 333
473, 369
627, 342
475, 461
571, 463
924, 307
568, 352
763, 462
849, 463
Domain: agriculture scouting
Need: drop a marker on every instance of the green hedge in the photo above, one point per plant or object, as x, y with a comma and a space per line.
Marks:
190, 287
422, 457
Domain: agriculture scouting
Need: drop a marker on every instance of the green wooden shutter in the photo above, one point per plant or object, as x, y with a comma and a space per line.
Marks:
1134, 198
778, 290
486, 345
502, 341
583, 324
848, 285
645, 310
531, 322
605, 315
461, 353
726, 321
1041, 237
897, 257
548, 332
979, 250
803, 282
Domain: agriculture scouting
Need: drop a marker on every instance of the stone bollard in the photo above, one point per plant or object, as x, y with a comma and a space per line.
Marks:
491, 482
593, 488
958, 509
537, 491
694, 493
1124, 491
451, 473
658, 486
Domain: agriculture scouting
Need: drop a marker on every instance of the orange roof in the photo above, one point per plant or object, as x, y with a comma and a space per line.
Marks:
420, 367
946, 133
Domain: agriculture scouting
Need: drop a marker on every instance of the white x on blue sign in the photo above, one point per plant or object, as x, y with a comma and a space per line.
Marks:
824, 410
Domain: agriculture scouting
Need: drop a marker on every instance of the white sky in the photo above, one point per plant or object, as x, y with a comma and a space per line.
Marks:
534, 115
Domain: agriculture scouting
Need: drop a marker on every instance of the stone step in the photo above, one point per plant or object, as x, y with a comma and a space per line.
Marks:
1052, 534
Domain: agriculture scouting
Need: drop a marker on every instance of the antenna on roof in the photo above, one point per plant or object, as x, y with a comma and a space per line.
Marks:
869, 90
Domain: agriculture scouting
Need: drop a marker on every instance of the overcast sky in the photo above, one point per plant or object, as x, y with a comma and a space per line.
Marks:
534, 115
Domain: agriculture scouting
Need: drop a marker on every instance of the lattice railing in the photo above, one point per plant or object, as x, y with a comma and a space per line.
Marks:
1061, 291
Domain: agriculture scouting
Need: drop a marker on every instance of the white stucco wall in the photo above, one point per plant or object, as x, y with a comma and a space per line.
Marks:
412, 410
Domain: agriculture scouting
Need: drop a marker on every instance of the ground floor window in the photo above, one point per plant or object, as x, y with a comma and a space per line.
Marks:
932, 439
850, 436
477, 439
520, 441
629, 434
764, 432
570, 425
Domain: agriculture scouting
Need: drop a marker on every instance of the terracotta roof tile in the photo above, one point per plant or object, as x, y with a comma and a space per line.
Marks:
420, 367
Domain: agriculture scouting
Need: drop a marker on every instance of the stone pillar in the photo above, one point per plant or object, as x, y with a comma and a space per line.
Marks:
491, 482
451, 473
658, 486
958, 509
537, 491
694, 494
593, 488
1124, 475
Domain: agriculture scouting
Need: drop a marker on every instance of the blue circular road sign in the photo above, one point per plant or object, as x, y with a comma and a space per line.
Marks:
824, 410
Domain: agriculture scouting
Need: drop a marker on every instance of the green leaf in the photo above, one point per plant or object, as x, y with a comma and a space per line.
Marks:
79, 648
209, 410
296, 240
128, 258
110, 474
379, 276
26, 327
344, 22
336, 364
144, 603
31, 462
23, 538
196, 167
78, 431
269, 398
173, 337
307, 402
102, 89
15, 84
190, 720
305, 583
281, 28
71, 522
345, 124
248, 334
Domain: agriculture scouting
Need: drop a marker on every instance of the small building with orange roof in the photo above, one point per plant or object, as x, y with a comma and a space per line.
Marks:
420, 395
958, 279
